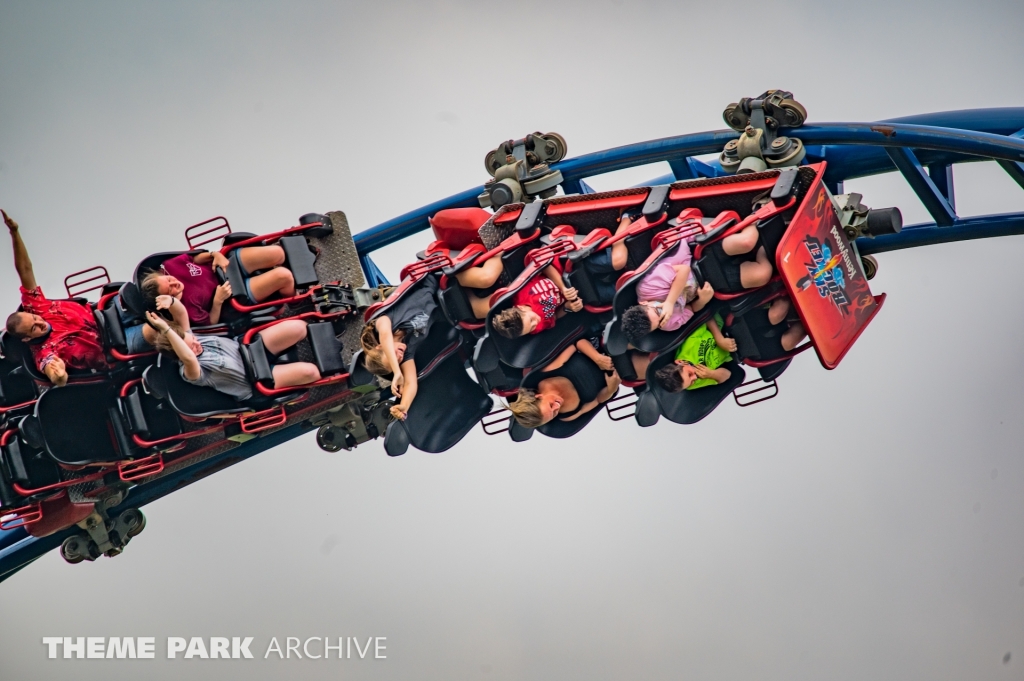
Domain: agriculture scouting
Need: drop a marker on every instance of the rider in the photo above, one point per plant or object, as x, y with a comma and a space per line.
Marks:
699, 360
62, 334
569, 387
537, 305
192, 280
216, 362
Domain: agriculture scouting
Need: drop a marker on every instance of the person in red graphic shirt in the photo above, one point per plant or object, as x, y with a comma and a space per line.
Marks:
538, 305
61, 333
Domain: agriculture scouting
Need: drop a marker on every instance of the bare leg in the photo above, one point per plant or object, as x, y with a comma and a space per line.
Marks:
640, 362
620, 254
481, 306
743, 241
297, 373
261, 257
483, 276
757, 273
277, 280
793, 336
778, 310
280, 337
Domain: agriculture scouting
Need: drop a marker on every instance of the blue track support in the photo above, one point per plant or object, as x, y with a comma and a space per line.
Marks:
1014, 170
918, 179
374, 277
982, 227
851, 150
941, 176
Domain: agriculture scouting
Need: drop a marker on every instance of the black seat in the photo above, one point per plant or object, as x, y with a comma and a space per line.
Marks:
687, 406
326, 347
16, 386
27, 466
148, 416
81, 424
756, 337
448, 402
191, 400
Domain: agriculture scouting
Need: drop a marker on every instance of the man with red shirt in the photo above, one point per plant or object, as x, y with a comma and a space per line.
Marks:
61, 333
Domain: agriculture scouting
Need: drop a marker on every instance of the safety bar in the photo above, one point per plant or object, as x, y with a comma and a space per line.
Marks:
81, 282
622, 407
130, 471
262, 420
497, 426
220, 229
20, 517
739, 394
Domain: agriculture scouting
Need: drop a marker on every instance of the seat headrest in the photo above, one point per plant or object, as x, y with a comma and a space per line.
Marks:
459, 227
132, 299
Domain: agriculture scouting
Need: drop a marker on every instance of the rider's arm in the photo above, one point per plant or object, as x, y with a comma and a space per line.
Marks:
611, 387
561, 359
22, 263
411, 385
387, 343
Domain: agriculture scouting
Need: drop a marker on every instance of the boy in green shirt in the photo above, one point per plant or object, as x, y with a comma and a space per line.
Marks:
699, 360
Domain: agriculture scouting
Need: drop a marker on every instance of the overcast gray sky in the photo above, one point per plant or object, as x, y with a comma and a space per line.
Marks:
864, 524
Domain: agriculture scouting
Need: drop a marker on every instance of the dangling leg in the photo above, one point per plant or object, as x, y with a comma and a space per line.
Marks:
755, 274
793, 336
778, 311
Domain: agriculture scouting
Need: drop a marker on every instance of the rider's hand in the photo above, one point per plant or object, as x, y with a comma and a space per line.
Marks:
398, 412
165, 302
222, 293
666, 314
56, 372
701, 371
397, 385
705, 293
219, 261
727, 344
605, 362
157, 322
11, 224
574, 305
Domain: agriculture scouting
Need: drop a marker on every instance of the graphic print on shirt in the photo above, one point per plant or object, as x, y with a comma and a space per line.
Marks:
547, 297
194, 269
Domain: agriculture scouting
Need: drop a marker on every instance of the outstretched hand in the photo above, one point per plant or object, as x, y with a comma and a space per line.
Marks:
398, 412
12, 226
157, 322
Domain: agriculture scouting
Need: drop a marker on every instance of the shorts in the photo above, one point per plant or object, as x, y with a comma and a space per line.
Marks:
603, 275
134, 340
237, 260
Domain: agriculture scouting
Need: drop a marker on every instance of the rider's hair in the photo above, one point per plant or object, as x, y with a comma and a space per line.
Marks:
374, 359
509, 323
635, 323
150, 287
163, 344
669, 378
526, 409
13, 322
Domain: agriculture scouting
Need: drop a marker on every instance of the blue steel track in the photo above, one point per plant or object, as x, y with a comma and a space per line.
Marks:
923, 149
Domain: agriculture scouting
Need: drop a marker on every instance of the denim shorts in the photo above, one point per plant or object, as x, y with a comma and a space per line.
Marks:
134, 340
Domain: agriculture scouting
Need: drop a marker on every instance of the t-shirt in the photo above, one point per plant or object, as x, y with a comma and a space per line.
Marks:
74, 336
543, 297
700, 348
656, 283
414, 315
221, 367
200, 283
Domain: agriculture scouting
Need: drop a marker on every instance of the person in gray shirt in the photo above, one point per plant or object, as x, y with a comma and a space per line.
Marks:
216, 362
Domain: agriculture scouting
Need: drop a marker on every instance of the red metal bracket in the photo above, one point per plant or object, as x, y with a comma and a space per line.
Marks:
739, 393
141, 468
262, 420
215, 229
78, 283
496, 426
20, 517
622, 407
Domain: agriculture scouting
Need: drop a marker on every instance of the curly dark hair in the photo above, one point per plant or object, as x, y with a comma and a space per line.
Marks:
668, 378
635, 323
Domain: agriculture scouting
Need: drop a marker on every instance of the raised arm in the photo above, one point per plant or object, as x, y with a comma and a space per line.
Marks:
22, 263
184, 353
178, 313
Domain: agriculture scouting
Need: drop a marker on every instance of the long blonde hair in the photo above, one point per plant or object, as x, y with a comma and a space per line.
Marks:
526, 409
163, 344
374, 359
